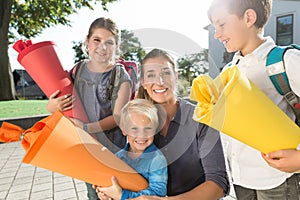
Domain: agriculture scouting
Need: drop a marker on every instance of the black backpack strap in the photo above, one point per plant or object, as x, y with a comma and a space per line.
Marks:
111, 83
74, 71
113, 86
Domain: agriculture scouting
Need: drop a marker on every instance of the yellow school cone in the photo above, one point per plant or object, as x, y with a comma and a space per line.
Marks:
235, 106
54, 143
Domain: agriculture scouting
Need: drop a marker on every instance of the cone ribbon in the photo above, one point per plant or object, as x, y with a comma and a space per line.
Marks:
54, 143
43, 65
10, 132
235, 106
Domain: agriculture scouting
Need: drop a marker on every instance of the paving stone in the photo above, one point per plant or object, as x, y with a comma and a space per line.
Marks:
20, 181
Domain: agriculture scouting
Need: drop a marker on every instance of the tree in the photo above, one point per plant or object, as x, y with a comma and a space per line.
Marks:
130, 48
6, 81
192, 65
28, 18
79, 55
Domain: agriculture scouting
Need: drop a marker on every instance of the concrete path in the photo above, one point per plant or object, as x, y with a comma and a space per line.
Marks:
19, 181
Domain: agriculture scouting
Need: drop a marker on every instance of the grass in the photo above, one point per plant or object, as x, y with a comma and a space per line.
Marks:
22, 108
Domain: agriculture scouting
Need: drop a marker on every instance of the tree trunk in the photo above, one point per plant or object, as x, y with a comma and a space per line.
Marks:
7, 87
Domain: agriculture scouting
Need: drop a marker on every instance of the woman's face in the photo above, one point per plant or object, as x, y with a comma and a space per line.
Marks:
159, 80
102, 45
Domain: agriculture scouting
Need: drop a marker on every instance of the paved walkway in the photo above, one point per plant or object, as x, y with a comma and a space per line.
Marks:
19, 181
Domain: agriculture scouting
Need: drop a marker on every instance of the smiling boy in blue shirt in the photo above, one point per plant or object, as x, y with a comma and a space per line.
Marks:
139, 122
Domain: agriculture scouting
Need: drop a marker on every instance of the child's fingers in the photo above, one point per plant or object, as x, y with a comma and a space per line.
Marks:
53, 95
114, 181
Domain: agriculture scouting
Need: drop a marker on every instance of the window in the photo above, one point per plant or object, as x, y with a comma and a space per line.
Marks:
284, 27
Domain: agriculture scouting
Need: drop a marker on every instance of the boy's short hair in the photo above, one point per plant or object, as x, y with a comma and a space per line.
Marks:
141, 106
238, 7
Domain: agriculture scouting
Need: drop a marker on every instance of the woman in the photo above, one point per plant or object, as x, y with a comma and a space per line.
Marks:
196, 165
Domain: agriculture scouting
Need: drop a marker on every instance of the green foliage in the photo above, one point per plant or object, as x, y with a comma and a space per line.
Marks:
183, 88
79, 55
30, 17
130, 47
192, 65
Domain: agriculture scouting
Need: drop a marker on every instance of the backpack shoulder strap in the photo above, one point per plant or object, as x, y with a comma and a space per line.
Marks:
76, 69
133, 75
276, 68
295, 46
276, 71
113, 87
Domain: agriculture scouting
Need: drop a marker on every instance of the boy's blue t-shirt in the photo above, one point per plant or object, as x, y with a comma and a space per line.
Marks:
152, 165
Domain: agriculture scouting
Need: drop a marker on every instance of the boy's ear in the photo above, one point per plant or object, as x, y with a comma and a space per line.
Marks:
123, 131
250, 17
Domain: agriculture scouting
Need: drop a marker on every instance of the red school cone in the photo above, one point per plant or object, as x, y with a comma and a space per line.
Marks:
43, 65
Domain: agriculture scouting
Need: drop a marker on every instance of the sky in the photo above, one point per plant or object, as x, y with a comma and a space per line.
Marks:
174, 25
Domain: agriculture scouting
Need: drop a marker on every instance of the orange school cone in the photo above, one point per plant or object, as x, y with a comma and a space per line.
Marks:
234, 105
54, 143
43, 65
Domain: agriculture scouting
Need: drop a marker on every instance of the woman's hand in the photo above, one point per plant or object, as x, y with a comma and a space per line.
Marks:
61, 103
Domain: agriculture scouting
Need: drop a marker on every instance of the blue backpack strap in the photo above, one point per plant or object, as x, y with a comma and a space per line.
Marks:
276, 71
295, 46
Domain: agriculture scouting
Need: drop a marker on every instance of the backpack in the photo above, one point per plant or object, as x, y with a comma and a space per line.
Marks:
276, 71
130, 67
